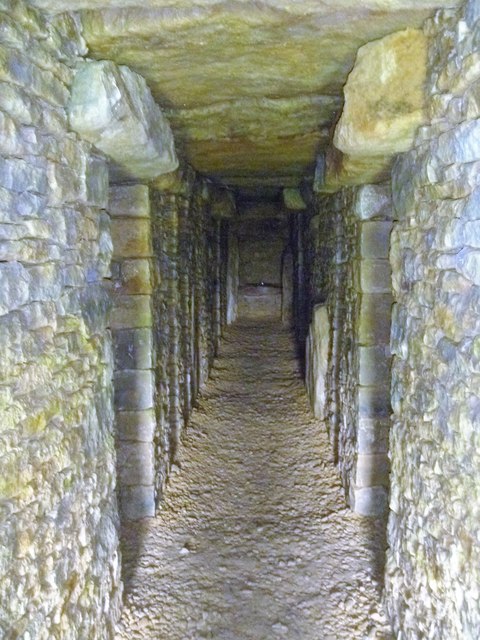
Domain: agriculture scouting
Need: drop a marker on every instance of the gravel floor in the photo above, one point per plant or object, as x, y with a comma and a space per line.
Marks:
254, 541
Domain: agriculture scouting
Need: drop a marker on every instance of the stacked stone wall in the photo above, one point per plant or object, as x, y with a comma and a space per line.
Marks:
187, 304
59, 563
433, 568
346, 247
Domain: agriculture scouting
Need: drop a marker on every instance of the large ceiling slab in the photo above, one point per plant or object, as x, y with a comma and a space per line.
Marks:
251, 88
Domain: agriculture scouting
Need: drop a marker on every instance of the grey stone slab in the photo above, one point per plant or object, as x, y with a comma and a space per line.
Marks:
135, 463
134, 390
133, 348
375, 239
137, 502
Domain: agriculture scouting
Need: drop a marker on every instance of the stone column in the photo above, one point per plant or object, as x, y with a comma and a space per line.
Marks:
232, 277
370, 478
168, 321
132, 327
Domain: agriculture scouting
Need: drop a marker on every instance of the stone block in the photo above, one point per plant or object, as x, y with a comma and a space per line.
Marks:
113, 108
130, 312
19, 176
460, 145
372, 469
133, 276
317, 360
293, 199
131, 238
135, 463
136, 426
384, 96
369, 501
134, 390
375, 318
374, 402
133, 349
375, 239
374, 365
373, 435
96, 182
129, 201
375, 276
15, 284
137, 502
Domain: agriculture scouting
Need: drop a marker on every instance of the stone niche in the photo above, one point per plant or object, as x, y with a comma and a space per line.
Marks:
261, 244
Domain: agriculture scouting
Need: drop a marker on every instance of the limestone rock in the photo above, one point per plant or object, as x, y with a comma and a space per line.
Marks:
317, 360
335, 170
112, 107
384, 99
250, 88
293, 199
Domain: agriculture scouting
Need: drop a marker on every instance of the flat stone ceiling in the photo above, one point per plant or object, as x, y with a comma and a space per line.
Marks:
251, 88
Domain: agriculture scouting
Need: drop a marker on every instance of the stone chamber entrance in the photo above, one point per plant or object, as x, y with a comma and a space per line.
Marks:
239, 319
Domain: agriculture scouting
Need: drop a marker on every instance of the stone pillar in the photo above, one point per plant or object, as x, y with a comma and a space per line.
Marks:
185, 275
287, 288
370, 479
316, 362
168, 330
132, 326
232, 277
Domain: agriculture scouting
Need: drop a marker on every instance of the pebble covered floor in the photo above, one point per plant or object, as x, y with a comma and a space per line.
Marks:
253, 540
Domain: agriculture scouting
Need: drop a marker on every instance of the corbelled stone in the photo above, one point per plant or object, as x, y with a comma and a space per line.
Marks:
112, 107
384, 99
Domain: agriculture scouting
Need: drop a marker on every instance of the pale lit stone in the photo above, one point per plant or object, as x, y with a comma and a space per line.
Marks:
112, 107
384, 100
317, 360
293, 199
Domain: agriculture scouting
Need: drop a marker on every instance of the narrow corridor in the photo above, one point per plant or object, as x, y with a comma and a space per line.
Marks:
253, 540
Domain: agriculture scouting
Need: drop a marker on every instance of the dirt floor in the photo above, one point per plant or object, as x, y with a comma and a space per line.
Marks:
254, 541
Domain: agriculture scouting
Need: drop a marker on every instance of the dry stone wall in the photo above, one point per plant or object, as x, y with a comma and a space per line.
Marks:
189, 306
346, 247
59, 562
433, 569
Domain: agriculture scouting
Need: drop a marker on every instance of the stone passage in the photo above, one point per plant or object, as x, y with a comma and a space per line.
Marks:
253, 540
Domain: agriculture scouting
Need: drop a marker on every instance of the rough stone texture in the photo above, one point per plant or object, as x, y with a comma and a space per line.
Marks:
251, 88
433, 562
135, 385
384, 106
293, 199
316, 362
384, 98
190, 305
253, 541
59, 562
112, 108
346, 264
